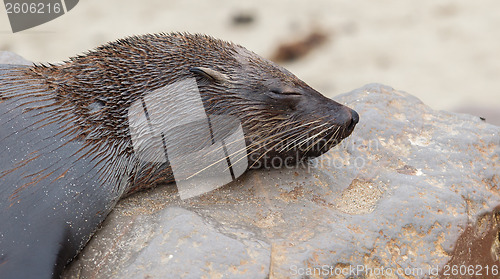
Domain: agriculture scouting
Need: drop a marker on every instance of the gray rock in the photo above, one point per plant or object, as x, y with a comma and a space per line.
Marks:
412, 191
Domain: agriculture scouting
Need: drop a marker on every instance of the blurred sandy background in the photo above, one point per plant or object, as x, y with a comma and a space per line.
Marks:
447, 53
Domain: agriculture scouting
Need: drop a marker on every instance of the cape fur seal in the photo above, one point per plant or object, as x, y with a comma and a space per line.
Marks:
70, 148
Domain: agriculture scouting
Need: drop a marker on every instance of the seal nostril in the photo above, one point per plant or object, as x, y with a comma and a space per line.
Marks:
355, 117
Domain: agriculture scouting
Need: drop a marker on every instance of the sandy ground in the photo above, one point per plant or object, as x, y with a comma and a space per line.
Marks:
444, 52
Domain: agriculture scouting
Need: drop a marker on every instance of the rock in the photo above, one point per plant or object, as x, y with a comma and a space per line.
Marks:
413, 191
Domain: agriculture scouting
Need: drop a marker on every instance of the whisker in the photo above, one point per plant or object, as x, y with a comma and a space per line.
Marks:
331, 138
294, 144
273, 136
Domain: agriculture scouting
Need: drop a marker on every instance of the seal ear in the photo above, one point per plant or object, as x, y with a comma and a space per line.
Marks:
209, 74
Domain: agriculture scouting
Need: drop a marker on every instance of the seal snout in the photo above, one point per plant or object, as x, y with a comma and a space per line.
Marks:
341, 116
347, 118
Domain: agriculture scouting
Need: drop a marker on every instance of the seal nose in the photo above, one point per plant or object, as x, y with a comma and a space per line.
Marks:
355, 117
354, 120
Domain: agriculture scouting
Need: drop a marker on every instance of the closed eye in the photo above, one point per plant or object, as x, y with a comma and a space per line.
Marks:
288, 93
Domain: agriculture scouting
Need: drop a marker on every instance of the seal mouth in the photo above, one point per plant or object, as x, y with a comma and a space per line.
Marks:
319, 143
336, 133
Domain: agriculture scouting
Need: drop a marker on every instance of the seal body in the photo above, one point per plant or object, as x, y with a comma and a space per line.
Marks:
51, 200
68, 148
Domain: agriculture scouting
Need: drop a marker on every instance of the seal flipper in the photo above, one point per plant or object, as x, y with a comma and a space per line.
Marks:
43, 257
52, 198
